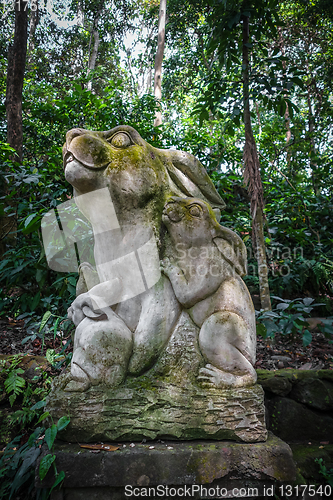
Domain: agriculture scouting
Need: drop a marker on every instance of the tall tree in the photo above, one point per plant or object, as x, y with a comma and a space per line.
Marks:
233, 45
252, 177
93, 47
34, 19
159, 59
15, 74
17, 53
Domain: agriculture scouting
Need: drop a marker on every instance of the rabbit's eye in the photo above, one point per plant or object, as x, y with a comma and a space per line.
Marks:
120, 140
195, 211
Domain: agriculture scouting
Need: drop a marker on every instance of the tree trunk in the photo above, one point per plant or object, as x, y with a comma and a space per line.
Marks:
77, 57
80, 14
15, 75
253, 179
313, 162
159, 59
34, 19
286, 113
93, 54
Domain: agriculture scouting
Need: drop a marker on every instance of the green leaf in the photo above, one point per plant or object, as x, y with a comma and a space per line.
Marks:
60, 477
55, 328
33, 226
282, 306
271, 327
297, 80
279, 298
35, 302
45, 465
38, 405
63, 422
34, 436
71, 289
50, 435
30, 458
50, 355
261, 330
45, 319
43, 417
307, 301
307, 338
29, 219
14, 384
12, 399
298, 325
72, 280
282, 106
31, 178
19, 480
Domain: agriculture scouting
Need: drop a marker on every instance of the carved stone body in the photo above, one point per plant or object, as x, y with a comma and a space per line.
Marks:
204, 264
165, 328
139, 179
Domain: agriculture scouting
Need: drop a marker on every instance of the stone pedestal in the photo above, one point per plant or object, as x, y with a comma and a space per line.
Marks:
165, 469
145, 409
167, 403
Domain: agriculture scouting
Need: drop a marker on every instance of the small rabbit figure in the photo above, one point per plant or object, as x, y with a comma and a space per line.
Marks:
204, 262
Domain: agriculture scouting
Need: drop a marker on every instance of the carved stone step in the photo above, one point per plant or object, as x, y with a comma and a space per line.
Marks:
237, 469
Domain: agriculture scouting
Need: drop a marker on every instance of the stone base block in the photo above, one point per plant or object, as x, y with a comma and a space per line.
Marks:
166, 468
145, 410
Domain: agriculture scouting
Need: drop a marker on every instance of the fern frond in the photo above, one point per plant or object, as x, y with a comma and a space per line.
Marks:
14, 384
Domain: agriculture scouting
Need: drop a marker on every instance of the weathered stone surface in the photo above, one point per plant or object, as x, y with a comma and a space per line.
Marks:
171, 463
167, 401
142, 204
162, 268
275, 382
326, 375
145, 408
204, 262
292, 421
315, 393
305, 457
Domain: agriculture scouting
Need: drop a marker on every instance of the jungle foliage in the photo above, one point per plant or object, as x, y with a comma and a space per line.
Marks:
89, 64
291, 67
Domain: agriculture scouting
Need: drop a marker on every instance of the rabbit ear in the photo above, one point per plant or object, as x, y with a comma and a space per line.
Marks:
190, 177
231, 247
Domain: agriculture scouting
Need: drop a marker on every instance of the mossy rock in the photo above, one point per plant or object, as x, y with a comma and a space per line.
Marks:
277, 382
293, 421
305, 457
30, 364
315, 393
326, 375
294, 374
